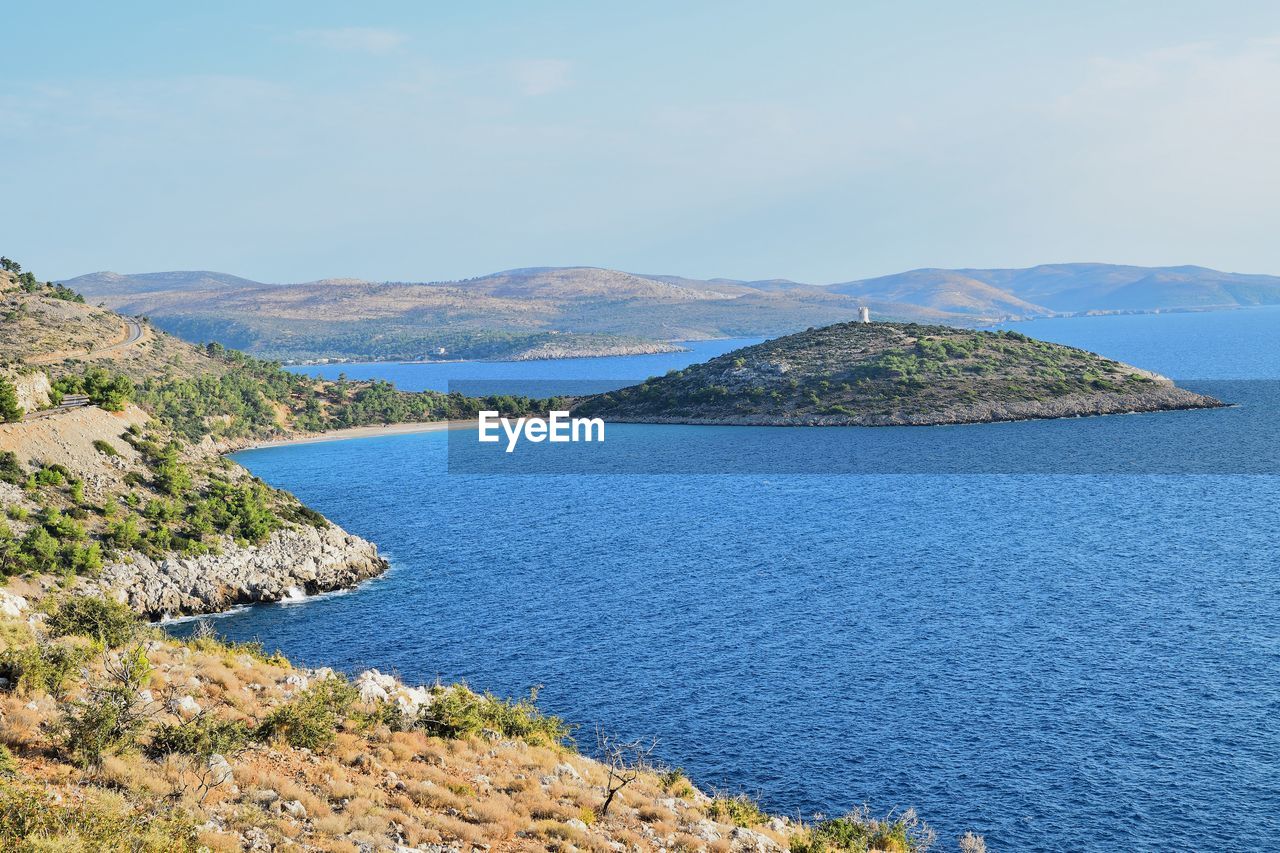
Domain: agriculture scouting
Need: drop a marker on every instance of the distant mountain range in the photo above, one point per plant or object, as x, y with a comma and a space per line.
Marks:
572, 310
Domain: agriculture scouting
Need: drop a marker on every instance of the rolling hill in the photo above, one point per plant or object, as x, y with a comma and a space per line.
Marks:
570, 311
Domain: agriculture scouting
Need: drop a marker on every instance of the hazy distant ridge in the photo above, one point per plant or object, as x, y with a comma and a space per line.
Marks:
505, 314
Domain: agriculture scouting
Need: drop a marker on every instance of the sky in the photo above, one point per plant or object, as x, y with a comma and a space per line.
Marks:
816, 141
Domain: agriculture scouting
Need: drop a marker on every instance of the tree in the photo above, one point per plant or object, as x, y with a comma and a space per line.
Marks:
113, 712
624, 761
9, 409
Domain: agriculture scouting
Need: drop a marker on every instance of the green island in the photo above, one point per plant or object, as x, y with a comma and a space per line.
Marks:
891, 374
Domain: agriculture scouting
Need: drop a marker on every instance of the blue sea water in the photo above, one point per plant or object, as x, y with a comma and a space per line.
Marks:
1060, 662
499, 377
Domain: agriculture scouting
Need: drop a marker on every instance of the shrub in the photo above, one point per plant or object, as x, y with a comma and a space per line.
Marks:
9, 408
31, 819
10, 469
203, 736
858, 831
104, 447
52, 475
310, 720
738, 810
459, 712
41, 667
123, 533
106, 620
82, 559
206, 639
676, 783
111, 716
40, 550
8, 767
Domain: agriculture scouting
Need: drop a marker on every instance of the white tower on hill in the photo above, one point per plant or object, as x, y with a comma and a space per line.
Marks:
864, 314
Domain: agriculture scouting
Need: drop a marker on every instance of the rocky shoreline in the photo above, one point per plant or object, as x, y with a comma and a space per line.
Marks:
294, 562
1152, 399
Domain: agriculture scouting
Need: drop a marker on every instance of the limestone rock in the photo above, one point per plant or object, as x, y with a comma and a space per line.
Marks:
11, 604
300, 558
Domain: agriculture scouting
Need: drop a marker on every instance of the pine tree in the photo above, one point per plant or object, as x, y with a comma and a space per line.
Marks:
9, 408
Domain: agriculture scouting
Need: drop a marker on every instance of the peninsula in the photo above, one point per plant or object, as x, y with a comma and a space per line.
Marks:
888, 374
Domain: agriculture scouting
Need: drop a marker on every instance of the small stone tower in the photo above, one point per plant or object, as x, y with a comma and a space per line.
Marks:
864, 314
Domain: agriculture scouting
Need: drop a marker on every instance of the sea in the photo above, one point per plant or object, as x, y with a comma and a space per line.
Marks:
1062, 635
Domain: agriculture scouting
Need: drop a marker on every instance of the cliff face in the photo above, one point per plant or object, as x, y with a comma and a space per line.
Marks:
292, 563
33, 389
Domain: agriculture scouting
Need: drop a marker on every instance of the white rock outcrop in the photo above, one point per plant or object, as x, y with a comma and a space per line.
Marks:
311, 559
375, 686
12, 604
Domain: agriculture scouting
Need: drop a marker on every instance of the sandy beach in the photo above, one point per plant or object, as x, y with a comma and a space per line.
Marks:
364, 432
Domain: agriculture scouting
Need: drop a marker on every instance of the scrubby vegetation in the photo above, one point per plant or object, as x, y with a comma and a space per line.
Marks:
104, 389
886, 373
459, 712
860, 832
167, 501
166, 744
260, 398
108, 622
215, 391
29, 284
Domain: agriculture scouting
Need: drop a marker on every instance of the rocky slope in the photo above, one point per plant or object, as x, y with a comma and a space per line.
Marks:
228, 748
292, 563
885, 374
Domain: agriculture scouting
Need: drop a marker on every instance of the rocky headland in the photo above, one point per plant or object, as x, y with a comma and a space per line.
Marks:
292, 563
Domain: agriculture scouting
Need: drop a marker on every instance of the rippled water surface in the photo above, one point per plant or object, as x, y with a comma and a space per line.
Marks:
1058, 662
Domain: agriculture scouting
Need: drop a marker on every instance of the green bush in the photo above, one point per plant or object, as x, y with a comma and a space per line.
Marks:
105, 447
859, 832
32, 821
459, 712
203, 736
111, 716
8, 767
311, 720
739, 810
51, 475
11, 470
108, 621
123, 534
41, 667
9, 408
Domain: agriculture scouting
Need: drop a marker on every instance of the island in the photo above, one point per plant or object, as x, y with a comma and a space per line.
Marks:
894, 374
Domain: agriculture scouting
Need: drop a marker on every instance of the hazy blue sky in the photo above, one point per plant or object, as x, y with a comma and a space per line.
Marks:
814, 141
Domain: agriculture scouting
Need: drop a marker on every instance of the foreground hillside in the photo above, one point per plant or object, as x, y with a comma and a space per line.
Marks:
880, 374
567, 311
116, 738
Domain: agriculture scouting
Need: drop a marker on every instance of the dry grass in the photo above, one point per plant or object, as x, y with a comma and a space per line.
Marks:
372, 788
